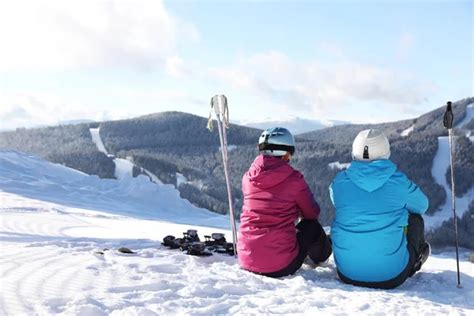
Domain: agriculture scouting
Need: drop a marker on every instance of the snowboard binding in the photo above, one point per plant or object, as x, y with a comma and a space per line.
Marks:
198, 249
189, 237
192, 245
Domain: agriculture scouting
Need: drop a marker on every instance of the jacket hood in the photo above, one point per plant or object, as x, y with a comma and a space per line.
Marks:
370, 176
266, 171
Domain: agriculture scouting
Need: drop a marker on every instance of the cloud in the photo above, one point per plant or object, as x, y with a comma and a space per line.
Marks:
35, 110
175, 67
32, 111
58, 35
321, 88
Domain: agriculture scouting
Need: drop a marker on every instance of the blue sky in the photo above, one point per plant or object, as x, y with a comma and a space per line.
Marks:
356, 61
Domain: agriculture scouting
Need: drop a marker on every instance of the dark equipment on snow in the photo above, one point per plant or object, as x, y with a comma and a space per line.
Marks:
191, 244
191, 235
448, 123
198, 249
125, 250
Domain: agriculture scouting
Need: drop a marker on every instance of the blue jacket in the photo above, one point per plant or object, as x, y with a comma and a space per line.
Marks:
372, 201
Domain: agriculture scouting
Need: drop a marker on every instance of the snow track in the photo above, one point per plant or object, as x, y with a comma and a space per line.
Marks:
95, 133
407, 131
469, 116
440, 167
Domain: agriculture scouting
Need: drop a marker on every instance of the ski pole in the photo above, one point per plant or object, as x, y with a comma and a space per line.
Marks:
219, 103
448, 123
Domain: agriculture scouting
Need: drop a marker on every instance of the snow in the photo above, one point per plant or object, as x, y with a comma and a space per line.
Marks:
180, 179
296, 125
441, 164
469, 116
54, 220
95, 133
34, 178
123, 167
407, 131
152, 176
229, 148
338, 165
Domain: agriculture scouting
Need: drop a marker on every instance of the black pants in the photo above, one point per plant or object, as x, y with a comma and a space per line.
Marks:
312, 242
416, 242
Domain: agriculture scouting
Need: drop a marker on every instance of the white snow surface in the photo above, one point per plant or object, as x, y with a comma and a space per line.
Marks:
95, 133
123, 168
441, 164
180, 179
338, 165
296, 125
54, 220
34, 178
407, 131
469, 116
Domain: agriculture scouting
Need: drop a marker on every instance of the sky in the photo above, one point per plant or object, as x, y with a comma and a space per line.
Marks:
357, 61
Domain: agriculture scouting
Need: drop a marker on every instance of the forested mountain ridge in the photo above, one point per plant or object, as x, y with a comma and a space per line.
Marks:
174, 144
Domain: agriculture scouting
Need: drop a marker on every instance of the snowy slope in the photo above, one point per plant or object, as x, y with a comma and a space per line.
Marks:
54, 219
95, 133
407, 131
34, 178
295, 124
469, 116
123, 167
440, 166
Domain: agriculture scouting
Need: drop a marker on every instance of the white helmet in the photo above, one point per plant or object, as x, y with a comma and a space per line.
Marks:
369, 145
276, 141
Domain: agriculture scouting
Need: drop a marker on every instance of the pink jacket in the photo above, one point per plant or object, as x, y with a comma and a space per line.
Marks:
275, 195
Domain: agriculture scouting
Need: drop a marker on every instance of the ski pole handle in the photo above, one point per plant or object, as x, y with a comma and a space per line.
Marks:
448, 116
219, 102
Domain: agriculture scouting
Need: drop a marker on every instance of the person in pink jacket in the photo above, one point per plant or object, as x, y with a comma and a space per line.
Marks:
275, 197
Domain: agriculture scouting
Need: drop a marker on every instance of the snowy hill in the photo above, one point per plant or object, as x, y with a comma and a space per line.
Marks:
55, 219
176, 148
34, 178
296, 125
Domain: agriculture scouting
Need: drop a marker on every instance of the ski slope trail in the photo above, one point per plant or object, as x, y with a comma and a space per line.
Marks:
50, 265
441, 164
469, 116
123, 167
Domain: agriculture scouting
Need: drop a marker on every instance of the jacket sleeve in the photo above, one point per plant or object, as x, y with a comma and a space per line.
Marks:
306, 202
416, 200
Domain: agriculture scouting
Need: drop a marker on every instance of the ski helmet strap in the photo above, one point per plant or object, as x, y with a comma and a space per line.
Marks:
366, 152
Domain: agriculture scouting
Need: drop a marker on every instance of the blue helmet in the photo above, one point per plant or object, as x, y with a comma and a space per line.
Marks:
276, 141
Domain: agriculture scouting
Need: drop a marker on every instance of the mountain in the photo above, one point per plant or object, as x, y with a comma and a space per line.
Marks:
177, 149
296, 125
60, 231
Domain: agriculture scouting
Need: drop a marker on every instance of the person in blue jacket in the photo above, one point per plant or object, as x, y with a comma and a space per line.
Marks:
378, 232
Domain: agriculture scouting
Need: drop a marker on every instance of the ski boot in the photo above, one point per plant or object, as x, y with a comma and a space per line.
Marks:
229, 249
216, 239
198, 249
425, 253
190, 237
